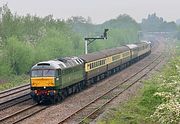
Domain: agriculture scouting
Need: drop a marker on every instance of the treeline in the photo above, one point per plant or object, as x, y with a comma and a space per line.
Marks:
157, 24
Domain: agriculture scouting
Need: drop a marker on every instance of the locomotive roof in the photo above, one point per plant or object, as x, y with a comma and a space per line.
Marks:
61, 63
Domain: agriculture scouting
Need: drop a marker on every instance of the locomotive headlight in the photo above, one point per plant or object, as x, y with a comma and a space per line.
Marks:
57, 79
44, 87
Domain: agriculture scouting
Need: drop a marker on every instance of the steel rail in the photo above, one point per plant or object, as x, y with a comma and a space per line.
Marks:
9, 90
14, 92
12, 102
21, 111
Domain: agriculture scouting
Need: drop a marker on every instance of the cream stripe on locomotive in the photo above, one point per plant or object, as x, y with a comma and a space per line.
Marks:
102, 62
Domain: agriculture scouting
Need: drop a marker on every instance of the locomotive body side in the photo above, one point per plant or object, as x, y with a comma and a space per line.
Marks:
143, 48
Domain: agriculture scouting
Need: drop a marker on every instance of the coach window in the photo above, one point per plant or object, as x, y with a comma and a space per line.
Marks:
90, 66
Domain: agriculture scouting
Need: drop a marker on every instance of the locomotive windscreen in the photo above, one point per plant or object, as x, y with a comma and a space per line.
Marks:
43, 73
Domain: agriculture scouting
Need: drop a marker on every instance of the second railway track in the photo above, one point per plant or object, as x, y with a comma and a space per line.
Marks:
14, 90
14, 96
14, 101
22, 114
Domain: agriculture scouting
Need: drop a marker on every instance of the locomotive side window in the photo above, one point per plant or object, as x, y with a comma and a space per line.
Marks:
58, 73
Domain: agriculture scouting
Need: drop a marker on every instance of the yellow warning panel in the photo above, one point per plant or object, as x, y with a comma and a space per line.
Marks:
42, 82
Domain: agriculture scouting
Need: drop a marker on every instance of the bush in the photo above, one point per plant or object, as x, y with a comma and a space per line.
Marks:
169, 111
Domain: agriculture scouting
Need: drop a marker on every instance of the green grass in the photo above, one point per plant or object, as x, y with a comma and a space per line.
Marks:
13, 81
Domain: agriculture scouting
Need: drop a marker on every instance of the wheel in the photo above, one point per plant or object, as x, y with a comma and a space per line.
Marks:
64, 94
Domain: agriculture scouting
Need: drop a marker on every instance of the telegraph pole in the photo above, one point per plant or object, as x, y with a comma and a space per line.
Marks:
89, 40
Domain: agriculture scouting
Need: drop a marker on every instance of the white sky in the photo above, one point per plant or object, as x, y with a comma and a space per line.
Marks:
98, 10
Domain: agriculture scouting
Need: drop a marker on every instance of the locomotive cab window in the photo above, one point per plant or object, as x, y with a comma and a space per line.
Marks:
58, 73
43, 73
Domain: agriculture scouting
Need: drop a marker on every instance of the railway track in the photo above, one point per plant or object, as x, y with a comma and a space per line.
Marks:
14, 101
91, 110
21, 96
14, 96
14, 90
22, 114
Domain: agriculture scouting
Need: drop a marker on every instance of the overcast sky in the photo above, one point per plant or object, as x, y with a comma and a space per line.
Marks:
98, 10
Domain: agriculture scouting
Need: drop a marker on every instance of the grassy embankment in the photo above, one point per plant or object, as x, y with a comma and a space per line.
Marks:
157, 103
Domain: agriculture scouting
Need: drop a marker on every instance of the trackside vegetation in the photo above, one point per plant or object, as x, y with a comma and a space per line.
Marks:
158, 102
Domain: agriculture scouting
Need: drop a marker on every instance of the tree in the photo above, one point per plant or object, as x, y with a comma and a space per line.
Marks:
157, 24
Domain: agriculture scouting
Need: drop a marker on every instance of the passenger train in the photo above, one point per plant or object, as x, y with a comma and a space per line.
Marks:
54, 80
